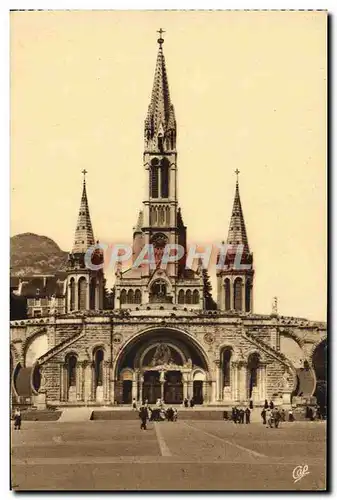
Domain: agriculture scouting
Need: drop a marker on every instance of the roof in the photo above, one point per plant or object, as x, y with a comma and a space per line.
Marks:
84, 235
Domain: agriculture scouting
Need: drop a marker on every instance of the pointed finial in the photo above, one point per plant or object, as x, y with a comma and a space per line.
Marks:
237, 171
84, 171
160, 39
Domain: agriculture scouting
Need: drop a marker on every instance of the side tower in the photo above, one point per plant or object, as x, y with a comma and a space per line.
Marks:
235, 281
85, 286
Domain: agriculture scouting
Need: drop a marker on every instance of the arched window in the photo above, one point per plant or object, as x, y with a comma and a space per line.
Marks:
138, 297
130, 297
161, 216
164, 178
195, 297
181, 297
188, 297
92, 293
248, 296
72, 294
253, 364
227, 294
99, 357
159, 288
154, 177
238, 294
167, 216
72, 362
82, 294
227, 354
123, 297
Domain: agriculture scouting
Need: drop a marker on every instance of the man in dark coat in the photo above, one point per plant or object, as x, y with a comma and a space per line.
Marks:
263, 415
247, 412
143, 415
242, 416
271, 405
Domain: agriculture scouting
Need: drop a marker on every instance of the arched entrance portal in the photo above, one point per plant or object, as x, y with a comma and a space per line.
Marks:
162, 364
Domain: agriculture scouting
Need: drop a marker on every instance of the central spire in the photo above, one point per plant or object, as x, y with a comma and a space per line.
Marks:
160, 123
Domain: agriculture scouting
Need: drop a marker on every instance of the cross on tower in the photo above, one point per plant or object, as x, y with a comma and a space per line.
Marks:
84, 171
160, 39
237, 171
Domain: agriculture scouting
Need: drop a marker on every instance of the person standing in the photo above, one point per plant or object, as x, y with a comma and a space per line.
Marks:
242, 416
234, 414
186, 403
143, 415
266, 405
247, 412
271, 405
269, 418
134, 404
263, 415
192, 403
291, 416
17, 419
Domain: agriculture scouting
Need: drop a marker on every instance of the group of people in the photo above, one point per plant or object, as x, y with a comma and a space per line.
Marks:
156, 414
240, 415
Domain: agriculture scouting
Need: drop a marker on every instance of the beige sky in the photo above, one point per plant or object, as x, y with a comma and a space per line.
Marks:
249, 90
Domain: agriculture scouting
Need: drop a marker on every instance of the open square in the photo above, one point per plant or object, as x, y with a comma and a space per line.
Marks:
184, 455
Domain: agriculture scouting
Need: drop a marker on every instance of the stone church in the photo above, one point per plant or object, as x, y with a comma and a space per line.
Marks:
160, 340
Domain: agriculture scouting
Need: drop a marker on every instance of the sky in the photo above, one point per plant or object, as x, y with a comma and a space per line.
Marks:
249, 90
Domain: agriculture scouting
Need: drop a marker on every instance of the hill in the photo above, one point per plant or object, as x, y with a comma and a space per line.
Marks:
34, 254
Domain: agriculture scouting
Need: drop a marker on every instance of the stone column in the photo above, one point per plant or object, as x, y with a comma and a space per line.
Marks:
205, 391
106, 378
76, 294
231, 295
92, 385
213, 396
134, 385
262, 381
185, 387
218, 379
62, 382
97, 304
243, 289
78, 381
141, 381
87, 291
233, 381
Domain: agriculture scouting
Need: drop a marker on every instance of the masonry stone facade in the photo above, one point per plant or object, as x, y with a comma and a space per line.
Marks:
160, 341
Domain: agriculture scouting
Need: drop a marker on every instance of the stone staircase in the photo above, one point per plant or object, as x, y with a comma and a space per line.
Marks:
75, 415
59, 347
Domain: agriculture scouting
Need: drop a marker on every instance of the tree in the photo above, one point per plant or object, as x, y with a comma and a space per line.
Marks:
210, 304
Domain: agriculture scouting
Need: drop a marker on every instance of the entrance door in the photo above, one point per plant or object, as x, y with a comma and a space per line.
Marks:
173, 389
151, 387
197, 392
127, 391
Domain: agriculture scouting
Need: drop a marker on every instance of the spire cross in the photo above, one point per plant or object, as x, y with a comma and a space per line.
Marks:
160, 39
84, 171
237, 171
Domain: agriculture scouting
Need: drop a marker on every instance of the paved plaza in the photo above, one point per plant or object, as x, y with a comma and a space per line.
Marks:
192, 455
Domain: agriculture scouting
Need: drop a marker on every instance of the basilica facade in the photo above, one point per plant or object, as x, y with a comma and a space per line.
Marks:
161, 340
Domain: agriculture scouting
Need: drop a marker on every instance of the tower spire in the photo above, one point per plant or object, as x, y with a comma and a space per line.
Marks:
237, 234
84, 236
160, 123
